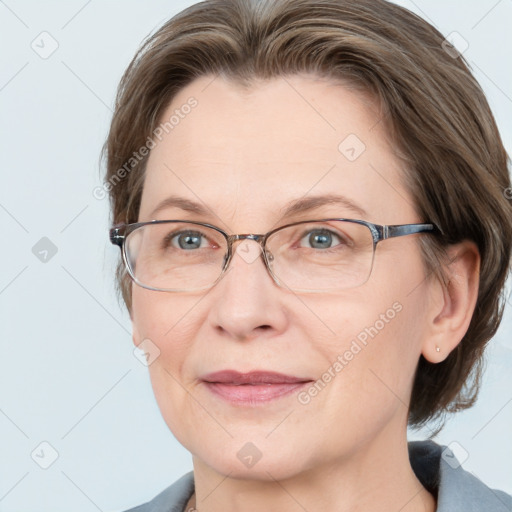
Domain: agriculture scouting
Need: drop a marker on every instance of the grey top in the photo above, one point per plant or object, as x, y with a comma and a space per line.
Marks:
435, 466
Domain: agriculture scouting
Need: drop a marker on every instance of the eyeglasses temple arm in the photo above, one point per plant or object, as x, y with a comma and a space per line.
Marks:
409, 229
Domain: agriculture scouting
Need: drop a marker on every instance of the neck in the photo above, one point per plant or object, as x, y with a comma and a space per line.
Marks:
373, 479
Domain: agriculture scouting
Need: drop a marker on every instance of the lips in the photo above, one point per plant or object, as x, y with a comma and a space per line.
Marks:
255, 377
253, 388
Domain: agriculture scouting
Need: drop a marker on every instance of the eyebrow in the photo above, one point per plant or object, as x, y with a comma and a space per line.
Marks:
309, 203
302, 205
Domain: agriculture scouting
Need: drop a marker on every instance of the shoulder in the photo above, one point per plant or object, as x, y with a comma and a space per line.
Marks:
171, 499
457, 489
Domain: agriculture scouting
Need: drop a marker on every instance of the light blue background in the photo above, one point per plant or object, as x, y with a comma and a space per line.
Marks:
68, 373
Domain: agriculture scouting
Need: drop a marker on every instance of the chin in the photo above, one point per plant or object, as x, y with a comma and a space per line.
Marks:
250, 461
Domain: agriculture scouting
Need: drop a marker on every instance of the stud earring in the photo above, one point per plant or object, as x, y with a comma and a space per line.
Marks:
438, 349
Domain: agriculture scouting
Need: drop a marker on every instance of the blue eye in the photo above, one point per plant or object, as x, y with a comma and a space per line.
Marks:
321, 239
186, 240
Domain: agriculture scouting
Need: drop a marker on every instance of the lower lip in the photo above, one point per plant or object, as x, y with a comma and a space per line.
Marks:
253, 394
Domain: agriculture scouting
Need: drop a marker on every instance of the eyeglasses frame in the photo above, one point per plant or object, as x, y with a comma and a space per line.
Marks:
119, 233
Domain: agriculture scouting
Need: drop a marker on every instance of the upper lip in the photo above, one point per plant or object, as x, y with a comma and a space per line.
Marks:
254, 377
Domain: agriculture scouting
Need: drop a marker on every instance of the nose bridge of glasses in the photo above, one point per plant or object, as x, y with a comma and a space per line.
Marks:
241, 237
248, 252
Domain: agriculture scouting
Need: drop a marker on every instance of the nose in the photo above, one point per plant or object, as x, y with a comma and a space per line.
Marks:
246, 302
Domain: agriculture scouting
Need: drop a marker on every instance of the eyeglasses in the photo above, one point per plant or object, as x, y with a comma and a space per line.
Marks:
307, 256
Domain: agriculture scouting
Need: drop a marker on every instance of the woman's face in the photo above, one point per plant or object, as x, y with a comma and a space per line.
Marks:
244, 156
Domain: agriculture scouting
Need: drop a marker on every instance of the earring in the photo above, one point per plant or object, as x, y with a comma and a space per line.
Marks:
438, 349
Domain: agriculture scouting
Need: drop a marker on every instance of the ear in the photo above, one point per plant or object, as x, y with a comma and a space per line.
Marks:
451, 307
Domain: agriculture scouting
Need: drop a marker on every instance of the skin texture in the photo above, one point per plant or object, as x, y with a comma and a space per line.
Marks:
245, 154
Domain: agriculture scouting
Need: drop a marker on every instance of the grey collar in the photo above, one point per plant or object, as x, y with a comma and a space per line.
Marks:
457, 490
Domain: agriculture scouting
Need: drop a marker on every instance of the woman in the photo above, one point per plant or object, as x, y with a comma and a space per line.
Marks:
309, 199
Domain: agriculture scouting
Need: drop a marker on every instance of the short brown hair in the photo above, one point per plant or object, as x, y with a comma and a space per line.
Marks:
437, 114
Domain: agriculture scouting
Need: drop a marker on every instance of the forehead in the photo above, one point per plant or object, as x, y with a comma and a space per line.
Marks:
247, 152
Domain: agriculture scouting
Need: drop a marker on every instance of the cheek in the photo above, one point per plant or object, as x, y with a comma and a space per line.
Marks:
169, 323
370, 358
163, 318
